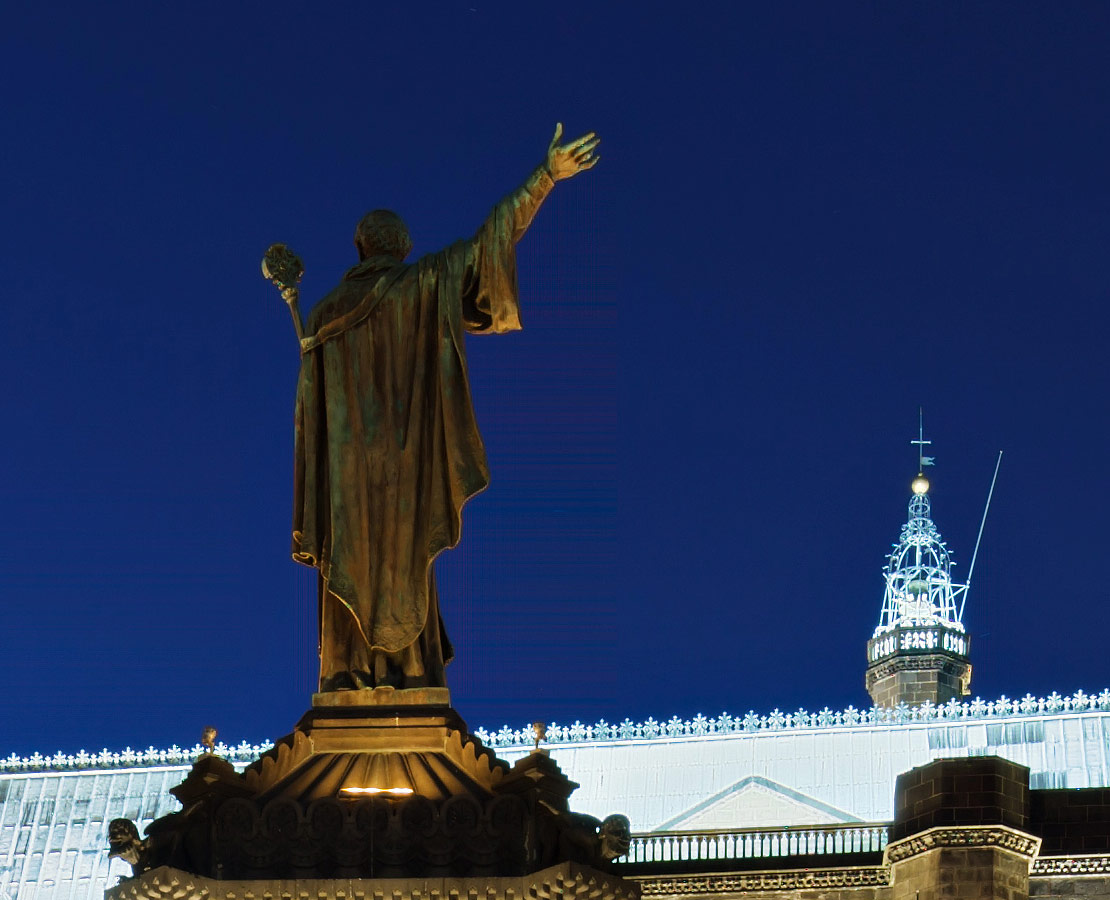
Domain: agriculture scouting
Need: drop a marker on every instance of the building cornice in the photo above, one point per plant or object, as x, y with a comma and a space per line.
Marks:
750, 882
921, 662
1091, 864
963, 836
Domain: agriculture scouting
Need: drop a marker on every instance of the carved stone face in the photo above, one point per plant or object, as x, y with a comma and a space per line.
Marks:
123, 840
382, 233
616, 836
121, 830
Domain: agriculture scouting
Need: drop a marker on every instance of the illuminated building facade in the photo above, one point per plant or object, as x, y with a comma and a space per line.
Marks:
772, 804
726, 774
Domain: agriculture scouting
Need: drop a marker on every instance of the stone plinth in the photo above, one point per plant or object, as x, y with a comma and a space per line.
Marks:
387, 791
561, 882
426, 750
384, 696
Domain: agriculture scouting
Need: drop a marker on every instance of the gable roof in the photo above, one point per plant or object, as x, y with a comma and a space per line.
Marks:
753, 802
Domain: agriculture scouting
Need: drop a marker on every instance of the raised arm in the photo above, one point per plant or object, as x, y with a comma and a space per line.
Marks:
489, 283
563, 161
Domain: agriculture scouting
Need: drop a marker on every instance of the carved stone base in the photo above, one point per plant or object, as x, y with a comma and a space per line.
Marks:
373, 792
422, 749
564, 881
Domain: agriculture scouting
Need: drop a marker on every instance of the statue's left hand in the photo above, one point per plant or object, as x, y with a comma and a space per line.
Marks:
570, 159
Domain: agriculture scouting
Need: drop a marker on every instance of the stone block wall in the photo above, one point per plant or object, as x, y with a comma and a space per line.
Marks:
1071, 821
981, 790
1070, 887
962, 873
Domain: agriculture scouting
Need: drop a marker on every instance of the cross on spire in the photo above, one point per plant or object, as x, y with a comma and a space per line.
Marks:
922, 460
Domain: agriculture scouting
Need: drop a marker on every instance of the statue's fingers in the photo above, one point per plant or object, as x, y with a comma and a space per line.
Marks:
574, 145
587, 149
588, 164
558, 134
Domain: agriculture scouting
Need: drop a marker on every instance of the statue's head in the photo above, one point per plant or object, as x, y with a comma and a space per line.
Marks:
615, 836
382, 233
123, 840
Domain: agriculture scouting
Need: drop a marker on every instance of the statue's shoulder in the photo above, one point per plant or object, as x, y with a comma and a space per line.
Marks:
339, 300
352, 291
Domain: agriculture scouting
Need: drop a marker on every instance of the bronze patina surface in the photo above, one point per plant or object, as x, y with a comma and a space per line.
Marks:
387, 446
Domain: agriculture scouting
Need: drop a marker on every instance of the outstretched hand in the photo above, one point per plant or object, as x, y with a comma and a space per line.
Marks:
570, 159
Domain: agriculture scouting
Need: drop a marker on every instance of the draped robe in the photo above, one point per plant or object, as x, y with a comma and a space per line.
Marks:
387, 446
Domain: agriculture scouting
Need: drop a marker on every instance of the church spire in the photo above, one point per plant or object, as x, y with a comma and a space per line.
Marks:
919, 650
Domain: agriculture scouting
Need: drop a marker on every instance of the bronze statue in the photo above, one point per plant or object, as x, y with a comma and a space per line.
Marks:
387, 447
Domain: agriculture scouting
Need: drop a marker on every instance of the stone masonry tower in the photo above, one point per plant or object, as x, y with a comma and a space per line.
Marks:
919, 651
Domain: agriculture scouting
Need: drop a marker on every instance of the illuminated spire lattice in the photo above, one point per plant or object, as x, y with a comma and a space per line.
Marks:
918, 573
919, 650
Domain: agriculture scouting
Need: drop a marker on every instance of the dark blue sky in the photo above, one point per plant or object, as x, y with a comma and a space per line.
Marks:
809, 219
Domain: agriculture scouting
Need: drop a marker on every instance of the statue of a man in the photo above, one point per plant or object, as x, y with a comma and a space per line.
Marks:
387, 447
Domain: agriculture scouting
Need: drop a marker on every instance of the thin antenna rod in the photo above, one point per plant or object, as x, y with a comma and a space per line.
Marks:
986, 509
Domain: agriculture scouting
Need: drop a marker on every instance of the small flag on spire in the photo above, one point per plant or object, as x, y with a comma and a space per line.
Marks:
928, 461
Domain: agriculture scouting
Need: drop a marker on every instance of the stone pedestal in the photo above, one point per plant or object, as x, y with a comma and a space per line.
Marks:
343, 750
372, 788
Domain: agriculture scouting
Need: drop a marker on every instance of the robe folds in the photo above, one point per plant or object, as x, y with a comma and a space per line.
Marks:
387, 445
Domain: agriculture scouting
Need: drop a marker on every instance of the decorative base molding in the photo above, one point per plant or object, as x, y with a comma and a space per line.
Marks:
758, 882
561, 882
921, 663
1093, 864
964, 836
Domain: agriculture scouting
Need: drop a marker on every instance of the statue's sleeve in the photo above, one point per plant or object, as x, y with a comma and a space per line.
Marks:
489, 291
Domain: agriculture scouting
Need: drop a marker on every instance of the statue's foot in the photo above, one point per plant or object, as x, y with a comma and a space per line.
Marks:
365, 681
392, 677
340, 681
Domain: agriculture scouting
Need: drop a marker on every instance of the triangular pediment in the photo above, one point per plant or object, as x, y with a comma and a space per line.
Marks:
756, 802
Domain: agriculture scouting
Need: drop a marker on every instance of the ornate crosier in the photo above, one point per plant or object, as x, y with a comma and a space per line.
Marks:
284, 269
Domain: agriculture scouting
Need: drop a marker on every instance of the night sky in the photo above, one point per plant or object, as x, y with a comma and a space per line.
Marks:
809, 220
